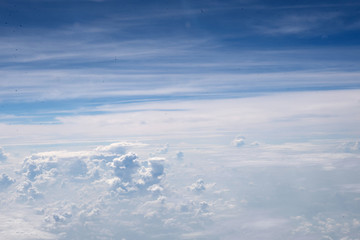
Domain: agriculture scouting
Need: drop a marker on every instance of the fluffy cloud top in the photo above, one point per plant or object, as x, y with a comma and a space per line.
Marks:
198, 187
5, 181
110, 192
116, 148
238, 141
103, 193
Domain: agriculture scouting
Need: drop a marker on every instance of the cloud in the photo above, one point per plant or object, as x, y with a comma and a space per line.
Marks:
125, 166
198, 186
305, 20
328, 227
27, 193
5, 181
3, 155
111, 164
350, 146
15, 226
78, 168
180, 155
45, 62
238, 141
117, 148
121, 72
106, 193
163, 150
265, 224
110, 190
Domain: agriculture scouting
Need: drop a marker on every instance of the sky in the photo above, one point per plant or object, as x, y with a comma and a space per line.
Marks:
179, 119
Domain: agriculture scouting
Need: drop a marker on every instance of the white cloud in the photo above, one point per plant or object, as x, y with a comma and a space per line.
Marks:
17, 225
265, 224
125, 166
129, 190
198, 186
5, 181
350, 146
27, 193
334, 227
3, 155
104, 193
118, 148
163, 150
238, 141
259, 118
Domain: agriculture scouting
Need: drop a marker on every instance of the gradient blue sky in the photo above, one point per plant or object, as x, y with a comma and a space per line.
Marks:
61, 57
229, 120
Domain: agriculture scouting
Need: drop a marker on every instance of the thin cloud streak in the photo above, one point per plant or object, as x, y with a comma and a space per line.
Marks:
322, 113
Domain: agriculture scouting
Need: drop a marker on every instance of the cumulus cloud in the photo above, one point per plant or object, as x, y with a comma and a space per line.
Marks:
125, 166
198, 186
5, 181
117, 148
163, 150
124, 172
26, 192
40, 167
334, 227
105, 193
238, 141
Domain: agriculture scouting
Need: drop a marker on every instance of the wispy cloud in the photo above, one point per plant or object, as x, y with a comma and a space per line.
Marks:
318, 114
308, 23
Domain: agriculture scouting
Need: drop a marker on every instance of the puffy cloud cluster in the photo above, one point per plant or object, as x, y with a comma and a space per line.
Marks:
105, 193
122, 191
336, 227
130, 174
26, 192
198, 187
123, 172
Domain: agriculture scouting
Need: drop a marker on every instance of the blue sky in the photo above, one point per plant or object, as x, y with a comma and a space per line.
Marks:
179, 119
93, 52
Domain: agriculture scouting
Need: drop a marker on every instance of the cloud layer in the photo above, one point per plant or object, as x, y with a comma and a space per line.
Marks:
107, 192
132, 190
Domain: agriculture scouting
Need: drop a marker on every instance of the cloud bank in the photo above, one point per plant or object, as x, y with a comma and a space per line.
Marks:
108, 192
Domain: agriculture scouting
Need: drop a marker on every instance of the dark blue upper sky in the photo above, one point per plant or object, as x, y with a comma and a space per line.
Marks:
235, 23
74, 54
